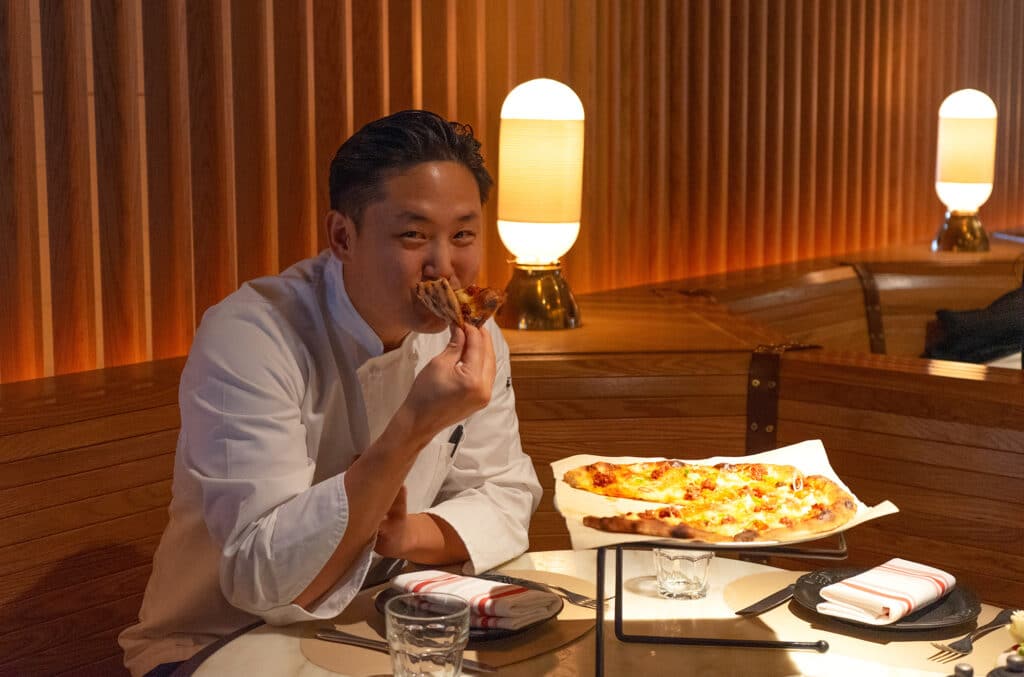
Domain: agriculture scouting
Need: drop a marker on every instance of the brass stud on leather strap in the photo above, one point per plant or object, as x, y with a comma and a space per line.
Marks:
763, 403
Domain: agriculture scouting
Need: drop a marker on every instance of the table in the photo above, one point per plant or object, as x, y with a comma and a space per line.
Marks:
734, 584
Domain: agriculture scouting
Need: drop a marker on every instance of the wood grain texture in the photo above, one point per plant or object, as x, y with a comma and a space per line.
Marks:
253, 128
720, 137
121, 225
63, 30
168, 176
214, 244
21, 303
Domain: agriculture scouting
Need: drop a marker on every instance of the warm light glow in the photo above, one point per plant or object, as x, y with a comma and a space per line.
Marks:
965, 163
540, 171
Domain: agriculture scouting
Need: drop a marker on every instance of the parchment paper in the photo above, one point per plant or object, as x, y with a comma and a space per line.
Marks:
573, 504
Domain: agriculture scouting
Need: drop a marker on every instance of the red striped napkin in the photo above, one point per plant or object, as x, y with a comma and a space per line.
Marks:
491, 604
886, 593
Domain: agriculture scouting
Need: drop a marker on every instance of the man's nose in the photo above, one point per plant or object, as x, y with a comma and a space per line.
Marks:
439, 264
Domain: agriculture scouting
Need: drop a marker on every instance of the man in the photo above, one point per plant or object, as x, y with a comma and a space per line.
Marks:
320, 411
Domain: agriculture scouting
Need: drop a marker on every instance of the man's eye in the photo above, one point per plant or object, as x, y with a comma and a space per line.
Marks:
412, 234
465, 235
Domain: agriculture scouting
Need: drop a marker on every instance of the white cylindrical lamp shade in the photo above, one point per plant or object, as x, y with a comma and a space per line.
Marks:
540, 171
966, 155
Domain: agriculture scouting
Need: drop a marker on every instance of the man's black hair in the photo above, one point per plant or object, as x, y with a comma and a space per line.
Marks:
395, 143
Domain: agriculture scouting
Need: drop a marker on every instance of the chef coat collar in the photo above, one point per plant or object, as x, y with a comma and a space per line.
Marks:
345, 316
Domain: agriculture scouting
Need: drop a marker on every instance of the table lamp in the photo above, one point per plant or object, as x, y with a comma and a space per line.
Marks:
964, 168
540, 186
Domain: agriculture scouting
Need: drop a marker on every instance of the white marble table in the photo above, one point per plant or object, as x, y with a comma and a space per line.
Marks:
734, 584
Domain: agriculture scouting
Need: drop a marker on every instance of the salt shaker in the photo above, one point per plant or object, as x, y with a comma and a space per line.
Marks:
963, 670
1014, 667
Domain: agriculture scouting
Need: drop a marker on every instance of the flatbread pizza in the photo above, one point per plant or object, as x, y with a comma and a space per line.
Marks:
737, 502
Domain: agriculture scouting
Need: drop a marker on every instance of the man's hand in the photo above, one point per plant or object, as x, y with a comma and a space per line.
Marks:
454, 384
419, 537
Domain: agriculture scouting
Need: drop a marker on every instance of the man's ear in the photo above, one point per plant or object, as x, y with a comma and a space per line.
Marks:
341, 231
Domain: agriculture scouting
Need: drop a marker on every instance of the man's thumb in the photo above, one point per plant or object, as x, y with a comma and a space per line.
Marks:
457, 340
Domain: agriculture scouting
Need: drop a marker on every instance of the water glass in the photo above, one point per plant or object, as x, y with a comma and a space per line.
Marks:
426, 633
682, 574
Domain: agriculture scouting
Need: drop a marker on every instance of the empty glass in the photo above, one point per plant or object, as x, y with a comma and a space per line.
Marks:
427, 633
682, 574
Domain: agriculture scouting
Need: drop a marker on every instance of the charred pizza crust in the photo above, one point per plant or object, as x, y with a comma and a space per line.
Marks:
726, 502
439, 297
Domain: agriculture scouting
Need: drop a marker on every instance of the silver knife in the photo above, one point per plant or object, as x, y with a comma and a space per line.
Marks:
329, 635
770, 602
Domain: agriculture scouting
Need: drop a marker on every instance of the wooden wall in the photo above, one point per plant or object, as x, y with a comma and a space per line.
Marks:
153, 155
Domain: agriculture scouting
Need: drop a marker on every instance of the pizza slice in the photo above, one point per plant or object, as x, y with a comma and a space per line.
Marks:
473, 304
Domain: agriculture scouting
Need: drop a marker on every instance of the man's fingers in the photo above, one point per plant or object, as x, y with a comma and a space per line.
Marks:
473, 351
490, 361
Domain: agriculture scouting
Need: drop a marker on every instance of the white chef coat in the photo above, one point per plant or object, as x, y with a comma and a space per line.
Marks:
284, 386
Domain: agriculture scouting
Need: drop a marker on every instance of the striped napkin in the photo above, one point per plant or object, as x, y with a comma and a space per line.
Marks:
491, 604
886, 593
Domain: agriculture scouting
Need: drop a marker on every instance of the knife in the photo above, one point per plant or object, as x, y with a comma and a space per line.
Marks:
770, 602
329, 635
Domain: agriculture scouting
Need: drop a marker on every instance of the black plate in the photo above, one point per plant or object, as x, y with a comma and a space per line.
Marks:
959, 606
475, 634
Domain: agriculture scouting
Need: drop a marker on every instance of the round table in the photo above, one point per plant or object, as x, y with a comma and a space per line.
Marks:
734, 584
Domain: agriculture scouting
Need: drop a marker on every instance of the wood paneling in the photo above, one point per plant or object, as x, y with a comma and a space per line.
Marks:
22, 300
162, 153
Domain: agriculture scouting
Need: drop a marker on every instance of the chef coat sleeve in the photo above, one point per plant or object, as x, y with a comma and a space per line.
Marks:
491, 489
245, 445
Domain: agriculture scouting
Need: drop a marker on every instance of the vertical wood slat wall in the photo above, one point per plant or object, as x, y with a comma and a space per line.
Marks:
155, 155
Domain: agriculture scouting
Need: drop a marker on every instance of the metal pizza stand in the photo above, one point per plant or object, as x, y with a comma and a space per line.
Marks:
809, 456
838, 552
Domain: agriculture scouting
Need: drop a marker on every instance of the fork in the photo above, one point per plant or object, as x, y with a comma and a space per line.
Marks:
964, 645
566, 594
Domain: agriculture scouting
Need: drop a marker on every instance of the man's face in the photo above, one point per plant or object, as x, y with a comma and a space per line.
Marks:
426, 226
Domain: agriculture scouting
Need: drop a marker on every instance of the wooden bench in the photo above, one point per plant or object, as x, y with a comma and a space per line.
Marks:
822, 301
85, 467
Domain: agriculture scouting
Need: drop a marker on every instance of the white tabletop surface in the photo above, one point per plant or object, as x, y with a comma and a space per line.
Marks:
734, 584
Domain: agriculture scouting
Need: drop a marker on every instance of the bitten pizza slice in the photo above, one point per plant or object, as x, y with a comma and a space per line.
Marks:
473, 304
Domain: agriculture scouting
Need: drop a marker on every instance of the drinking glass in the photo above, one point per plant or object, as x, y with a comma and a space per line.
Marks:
427, 633
682, 574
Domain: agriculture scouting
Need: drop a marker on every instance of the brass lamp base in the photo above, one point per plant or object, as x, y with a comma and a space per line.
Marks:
538, 297
960, 232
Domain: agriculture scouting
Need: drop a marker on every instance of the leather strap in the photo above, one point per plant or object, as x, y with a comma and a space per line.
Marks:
872, 307
763, 395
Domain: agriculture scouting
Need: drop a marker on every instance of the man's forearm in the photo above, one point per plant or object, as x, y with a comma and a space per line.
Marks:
371, 484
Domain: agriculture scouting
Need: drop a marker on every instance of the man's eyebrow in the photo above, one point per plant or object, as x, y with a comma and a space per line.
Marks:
408, 215
411, 216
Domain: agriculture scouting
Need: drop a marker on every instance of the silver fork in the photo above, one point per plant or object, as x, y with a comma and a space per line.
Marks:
964, 645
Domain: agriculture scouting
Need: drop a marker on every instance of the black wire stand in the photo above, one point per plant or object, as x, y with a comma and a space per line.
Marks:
834, 553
